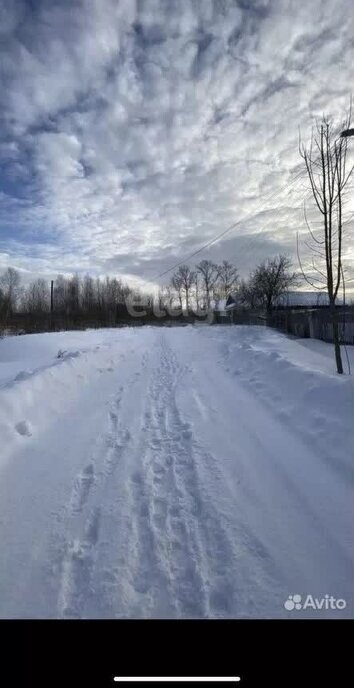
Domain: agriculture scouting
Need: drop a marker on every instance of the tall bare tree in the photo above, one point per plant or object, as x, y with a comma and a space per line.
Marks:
10, 282
88, 296
36, 297
196, 292
247, 295
177, 285
227, 278
186, 277
209, 274
326, 165
270, 280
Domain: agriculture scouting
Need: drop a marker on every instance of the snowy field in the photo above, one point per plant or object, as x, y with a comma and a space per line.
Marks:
174, 472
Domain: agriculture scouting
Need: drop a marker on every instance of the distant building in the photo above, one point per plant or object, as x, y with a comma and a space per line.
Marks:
220, 313
299, 313
232, 302
289, 300
303, 299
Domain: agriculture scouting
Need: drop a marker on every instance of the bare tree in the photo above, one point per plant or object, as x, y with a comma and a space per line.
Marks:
177, 285
73, 295
196, 290
186, 277
165, 298
209, 273
227, 277
88, 296
247, 295
326, 165
10, 288
60, 292
36, 297
270, 280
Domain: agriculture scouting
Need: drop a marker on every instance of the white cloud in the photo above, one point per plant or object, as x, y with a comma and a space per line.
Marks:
135, 131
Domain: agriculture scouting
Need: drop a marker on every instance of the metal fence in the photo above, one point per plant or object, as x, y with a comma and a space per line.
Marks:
314, 322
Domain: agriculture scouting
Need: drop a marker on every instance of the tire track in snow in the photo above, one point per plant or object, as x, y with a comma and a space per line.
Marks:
202, 557
79, 551
143, 569
172, 511
161, 567
75, 583
115, 442
169, 551
81, 489
212, 548
117, 438
181, 541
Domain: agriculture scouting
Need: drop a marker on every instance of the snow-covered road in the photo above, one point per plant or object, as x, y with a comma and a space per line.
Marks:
173, 472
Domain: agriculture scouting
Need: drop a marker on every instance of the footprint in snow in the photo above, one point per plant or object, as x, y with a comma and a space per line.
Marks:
82, 487
93, 527
24, 428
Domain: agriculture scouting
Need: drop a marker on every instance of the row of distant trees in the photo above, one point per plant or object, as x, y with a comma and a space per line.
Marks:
207, 283
74, 301
70, 299
199, 287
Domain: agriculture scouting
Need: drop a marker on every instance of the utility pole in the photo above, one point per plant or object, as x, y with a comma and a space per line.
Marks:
51, 303
197, 291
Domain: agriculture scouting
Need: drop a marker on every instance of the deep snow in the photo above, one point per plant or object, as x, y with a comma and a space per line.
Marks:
174, 472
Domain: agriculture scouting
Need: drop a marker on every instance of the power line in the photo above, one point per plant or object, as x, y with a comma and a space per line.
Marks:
225, 231
199, 250
232, 226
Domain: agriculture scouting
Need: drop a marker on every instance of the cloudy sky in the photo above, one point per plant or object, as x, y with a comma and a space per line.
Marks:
134, 131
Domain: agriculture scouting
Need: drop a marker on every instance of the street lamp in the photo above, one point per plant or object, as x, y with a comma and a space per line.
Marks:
346, 133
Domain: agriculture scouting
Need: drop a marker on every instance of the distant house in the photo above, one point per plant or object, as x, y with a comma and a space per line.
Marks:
238, 312
221, 314
232, 302
219, 306
289, 300
303, 299
300, 313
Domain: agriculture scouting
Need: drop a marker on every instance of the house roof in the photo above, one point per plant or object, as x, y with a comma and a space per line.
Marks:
307, 299
231, 301
291, 299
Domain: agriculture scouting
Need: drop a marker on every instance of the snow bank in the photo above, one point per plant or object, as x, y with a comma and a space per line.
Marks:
296, 379
42, 375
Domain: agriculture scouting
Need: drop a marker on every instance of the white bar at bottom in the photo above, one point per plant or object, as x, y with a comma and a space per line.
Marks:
177, 679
